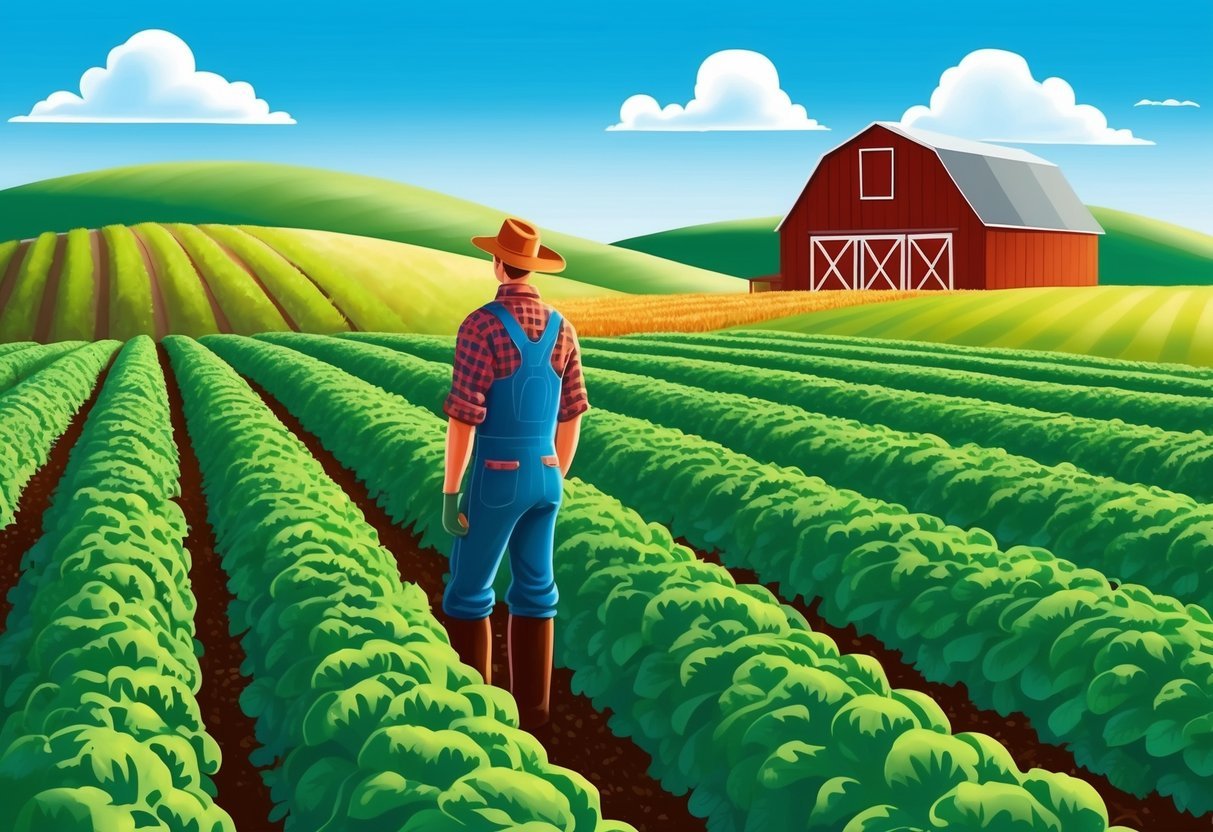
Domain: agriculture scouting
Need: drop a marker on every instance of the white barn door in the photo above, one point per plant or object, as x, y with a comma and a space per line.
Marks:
880, 261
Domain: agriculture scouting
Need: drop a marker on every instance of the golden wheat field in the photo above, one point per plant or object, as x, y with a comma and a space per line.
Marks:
623, 314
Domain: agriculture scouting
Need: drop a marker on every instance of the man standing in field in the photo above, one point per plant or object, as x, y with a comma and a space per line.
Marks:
517, 391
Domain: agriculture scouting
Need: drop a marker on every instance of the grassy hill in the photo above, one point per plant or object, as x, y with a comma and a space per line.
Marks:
247, 193
154, 279
1135, 250
1144, 323
746, 248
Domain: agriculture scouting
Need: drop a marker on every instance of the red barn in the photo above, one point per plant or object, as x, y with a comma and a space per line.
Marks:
901, 208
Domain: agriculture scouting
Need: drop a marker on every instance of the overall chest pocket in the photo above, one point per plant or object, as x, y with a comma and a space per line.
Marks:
498, 482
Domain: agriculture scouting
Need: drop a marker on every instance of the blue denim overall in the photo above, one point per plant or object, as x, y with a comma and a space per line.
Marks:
515, 488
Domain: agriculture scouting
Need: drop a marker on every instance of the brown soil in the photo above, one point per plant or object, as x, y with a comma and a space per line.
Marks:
101, 298
159, 313
241, 791
221, 321
577, 736
1151, 814
50, 292
239, 261
26, 528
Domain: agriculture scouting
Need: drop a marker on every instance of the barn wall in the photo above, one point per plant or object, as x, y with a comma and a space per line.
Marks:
1016, 258
925, 199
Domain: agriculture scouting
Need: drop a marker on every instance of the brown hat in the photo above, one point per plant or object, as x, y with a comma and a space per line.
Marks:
517, 244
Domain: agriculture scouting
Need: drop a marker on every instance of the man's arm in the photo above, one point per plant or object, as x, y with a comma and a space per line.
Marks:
458, 451
567, 434
573, 403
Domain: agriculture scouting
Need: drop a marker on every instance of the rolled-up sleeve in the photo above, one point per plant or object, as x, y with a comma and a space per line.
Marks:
472, 373
573, 399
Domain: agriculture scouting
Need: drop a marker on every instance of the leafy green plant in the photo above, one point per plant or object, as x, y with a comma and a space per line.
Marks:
1016, 364
1169, 411
730, 691
1131, 533
98, 666
354, 685
38, 410
1180, 462
1021, 628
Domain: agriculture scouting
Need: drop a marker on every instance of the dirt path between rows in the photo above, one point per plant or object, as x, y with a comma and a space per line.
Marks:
159, 313
26, 528
101, 271
1151, 814
45, 320
221, 321
294, 265
241, 791
239, 261
578, 736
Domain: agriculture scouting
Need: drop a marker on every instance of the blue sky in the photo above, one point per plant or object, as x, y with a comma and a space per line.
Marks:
507, 104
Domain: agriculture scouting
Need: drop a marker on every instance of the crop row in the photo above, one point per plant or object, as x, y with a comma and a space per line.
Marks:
1181, 462
1021, 364
354, 684
1181, 413
1131, 533
728, 689
98, 668
1048, 357
19, 364
306, 305
20, 312
1120, 676
37, 411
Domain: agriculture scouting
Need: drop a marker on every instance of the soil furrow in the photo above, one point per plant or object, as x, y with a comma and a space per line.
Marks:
239, 261
1150, 814
26, 528
101, 298
221, 321
50, 292
241, 791
578, 736
348, 320
159, 313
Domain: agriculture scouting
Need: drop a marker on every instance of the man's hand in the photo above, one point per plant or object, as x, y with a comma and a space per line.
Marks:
452, 520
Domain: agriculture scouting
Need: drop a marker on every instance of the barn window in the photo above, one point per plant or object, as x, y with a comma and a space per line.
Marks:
876, 173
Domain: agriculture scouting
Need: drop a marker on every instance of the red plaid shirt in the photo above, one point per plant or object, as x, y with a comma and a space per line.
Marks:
485, 353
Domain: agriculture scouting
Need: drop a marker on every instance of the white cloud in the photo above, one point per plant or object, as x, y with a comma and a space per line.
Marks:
992, 96
1166, 102
152, 78
736, 89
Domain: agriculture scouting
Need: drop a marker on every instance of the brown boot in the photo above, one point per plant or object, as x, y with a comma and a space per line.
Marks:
473, 641
530, 655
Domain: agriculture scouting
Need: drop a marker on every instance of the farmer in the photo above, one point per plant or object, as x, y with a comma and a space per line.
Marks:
517, 390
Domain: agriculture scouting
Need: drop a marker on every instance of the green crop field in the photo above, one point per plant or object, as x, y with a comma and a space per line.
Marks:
223, 553
1135, 250
246, 193
1139, 323
156, 279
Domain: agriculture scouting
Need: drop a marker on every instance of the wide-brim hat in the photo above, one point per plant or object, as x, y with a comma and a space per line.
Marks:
517, 244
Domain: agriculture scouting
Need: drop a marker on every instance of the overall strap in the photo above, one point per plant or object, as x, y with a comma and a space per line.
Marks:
533, 353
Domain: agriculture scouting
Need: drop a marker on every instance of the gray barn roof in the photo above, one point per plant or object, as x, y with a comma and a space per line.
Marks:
1006, 186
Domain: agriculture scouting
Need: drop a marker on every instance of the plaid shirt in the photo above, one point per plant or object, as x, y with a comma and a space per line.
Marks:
485, 353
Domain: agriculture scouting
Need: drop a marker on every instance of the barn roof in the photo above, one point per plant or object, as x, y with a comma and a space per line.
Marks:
1006, 186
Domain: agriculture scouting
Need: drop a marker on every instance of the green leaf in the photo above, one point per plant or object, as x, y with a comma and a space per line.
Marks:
387, 791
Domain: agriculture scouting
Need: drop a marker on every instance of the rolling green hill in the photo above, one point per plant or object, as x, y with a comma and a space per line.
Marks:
746, 248
153, 278
247, 193
1143, 323
1135, 250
